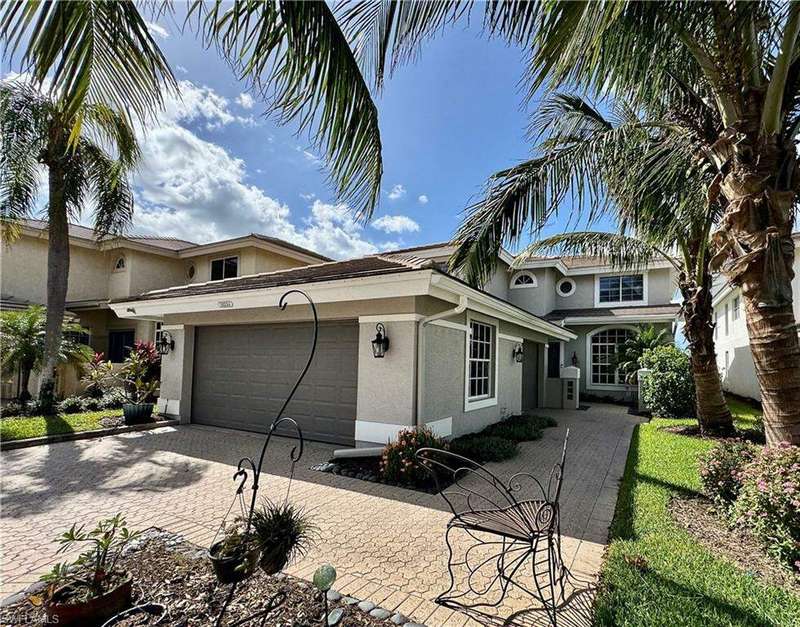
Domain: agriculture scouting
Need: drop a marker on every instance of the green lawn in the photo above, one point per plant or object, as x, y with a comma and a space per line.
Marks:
655, 573
745, 413
37, 426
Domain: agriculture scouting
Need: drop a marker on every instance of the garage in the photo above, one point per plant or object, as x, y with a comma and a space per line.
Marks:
243, 374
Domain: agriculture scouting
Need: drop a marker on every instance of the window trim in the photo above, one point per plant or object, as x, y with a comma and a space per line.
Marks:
619, 303
223, 258
619, 387
737, 303
482, 402
563, 280
514, 278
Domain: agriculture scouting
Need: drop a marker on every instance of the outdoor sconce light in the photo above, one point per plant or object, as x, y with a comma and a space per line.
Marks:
165, 343
574, 359
517, 353
381, 342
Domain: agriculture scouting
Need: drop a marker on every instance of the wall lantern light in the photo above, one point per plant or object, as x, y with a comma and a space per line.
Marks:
574, 358
381, 342
517, 353
165, 343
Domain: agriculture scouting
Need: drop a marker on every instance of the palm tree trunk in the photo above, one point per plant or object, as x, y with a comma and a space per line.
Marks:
713, 413
24, 382
57, 277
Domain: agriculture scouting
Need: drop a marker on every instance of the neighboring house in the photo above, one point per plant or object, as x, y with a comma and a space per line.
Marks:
120, 267
459, 358
734, 359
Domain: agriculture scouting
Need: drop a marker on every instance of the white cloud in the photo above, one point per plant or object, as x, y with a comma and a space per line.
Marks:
398, 191
156, 29
194, 189
181, 69
245, 101
308, 196
422, 199
199, 103
395, 224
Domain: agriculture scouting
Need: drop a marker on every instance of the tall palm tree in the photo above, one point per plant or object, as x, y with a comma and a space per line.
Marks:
35, 132
22, 339
636, 171
742, 61
98, 55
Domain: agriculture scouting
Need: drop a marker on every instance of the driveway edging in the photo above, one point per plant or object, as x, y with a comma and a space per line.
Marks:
84, 435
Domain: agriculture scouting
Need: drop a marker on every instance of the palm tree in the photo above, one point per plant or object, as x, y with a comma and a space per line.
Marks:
22, 344
630, 353
641, 173
102, 67
35, 132
740, 60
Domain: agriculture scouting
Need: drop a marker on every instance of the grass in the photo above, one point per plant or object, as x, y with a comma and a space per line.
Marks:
746, 414
655, 573
22, 427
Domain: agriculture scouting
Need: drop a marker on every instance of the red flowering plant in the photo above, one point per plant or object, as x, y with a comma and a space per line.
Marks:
769, 501
398, 464
721, 472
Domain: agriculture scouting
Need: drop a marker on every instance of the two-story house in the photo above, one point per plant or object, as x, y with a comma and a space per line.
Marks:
734, 359
457, 359
120, 267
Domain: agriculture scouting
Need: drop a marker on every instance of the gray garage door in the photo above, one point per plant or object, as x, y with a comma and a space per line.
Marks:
243, 373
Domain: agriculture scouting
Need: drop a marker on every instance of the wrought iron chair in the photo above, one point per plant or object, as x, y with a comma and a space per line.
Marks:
508, 530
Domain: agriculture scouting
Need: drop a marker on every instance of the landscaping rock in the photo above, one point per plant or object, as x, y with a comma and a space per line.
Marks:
366, 606
380, 613
399, 619
350, 600
333, 595
14, 598
335, 616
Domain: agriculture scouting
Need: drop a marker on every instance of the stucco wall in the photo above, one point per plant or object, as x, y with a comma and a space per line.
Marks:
734, 359
582, 297
153, 272
251, 261
538, 300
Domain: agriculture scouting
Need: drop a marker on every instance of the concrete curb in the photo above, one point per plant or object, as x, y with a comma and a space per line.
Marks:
84, 435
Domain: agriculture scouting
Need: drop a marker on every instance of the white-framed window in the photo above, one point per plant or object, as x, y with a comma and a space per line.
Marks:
522, 280
224, 268
615, 289
565, 287
602, 347
119, 264
737, 303
727, 320
481, 364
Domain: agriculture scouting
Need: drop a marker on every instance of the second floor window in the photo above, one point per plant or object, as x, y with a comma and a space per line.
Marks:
624, 288
736, 305
225, 268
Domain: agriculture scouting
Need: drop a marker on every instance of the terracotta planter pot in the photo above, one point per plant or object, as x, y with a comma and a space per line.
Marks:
154, 611
137, 413
89, 613
233, 569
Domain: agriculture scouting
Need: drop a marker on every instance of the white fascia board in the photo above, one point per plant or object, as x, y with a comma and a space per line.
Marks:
122, 243
247, 241
414, 283
602, 269
73, 241
722, 294
620, 319
449, 289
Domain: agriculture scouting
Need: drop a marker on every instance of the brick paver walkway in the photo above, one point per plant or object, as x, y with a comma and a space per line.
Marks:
386, 543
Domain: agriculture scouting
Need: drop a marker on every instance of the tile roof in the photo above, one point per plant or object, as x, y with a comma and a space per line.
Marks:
328, 271
84, 232
614, 312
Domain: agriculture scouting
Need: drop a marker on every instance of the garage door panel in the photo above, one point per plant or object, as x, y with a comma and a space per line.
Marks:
244, 373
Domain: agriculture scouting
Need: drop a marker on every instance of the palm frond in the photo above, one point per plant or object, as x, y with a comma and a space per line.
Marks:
296, 56
108, 183
98, 51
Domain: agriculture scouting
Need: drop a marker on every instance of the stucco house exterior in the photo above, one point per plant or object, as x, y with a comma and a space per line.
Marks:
459, 357
120, 267
734, 359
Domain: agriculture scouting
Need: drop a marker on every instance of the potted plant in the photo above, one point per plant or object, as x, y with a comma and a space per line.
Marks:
91, 589
235, 557
140, 382
283, 532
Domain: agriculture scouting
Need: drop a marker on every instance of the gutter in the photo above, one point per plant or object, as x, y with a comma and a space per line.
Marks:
463, 301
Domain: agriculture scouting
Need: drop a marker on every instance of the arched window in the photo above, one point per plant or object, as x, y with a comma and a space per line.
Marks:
604, 345
523, 279
120, 264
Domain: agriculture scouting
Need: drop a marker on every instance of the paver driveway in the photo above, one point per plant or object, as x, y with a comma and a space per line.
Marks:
386, 543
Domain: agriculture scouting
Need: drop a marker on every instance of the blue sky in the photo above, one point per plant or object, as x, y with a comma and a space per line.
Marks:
214, 166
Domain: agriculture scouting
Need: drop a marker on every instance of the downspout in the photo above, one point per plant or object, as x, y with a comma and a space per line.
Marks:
458, 309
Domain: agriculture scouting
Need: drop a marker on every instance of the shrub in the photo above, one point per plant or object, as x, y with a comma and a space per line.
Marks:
398, 464
11, 408
33, 408
520, 428
669, 390
284, 532
92, 404
113, 398
721, 471
97, 375
484, 448
769, 501
71, 405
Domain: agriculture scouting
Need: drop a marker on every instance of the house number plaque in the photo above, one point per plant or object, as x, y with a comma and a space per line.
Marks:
225, 304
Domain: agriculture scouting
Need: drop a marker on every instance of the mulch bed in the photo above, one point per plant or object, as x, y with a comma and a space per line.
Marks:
701, 520
175, 573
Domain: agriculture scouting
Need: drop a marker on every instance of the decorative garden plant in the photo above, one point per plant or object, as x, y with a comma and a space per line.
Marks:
283, 532
90, 589
236, 555
139, 379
